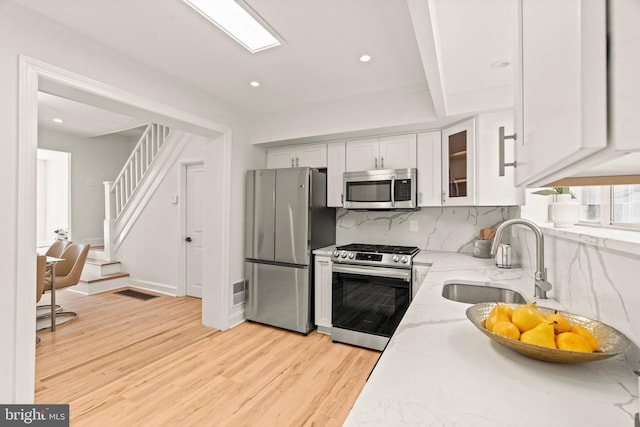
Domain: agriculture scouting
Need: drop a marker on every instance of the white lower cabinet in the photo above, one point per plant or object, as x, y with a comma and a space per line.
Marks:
322, 289
419, 273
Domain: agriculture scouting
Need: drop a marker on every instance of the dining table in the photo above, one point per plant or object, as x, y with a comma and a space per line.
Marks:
51, 263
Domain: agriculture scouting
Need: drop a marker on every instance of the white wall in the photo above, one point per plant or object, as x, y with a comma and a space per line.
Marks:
24, 33
383, 110
93, 161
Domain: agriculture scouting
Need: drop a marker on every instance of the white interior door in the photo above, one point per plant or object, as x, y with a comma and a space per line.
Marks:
194, 198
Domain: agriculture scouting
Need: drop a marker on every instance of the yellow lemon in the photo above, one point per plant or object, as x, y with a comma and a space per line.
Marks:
495, 317
506, 329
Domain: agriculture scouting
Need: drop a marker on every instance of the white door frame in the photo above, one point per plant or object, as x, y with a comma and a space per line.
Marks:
34, 74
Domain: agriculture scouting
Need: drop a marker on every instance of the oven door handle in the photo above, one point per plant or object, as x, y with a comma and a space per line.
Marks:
393, 273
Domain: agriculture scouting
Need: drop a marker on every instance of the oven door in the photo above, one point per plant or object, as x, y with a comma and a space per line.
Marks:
369, 300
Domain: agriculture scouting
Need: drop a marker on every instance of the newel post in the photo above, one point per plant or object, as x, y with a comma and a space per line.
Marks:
109, 217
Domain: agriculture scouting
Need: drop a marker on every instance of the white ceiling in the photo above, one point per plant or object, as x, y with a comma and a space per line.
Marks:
323, 39
82, 119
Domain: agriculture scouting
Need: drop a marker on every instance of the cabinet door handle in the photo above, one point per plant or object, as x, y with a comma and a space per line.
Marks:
375, 159
292, 162
501, 138
297, 162
381, 162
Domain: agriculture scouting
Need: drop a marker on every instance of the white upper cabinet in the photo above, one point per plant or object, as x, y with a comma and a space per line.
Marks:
458, 164
624, 69
398, 152
561, 90
470, 163
312, 155
335, 169
363, 154
429, 169
495, 189
389, 152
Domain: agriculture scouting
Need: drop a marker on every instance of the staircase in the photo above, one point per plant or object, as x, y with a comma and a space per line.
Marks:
123, 197
100, 275
126, 197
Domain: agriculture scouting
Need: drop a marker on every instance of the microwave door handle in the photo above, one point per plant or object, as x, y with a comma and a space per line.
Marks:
393, 191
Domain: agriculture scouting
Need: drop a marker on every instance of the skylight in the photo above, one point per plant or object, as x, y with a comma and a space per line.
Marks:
237, 22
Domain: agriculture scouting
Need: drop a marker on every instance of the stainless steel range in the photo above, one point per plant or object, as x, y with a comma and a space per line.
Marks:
371, 291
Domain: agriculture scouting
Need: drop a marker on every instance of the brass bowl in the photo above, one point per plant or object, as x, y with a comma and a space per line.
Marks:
610, 341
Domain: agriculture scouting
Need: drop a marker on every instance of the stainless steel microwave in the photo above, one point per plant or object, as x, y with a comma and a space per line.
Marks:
381, 189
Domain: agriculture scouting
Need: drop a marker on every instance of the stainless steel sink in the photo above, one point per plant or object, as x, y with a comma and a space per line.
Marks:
474, 294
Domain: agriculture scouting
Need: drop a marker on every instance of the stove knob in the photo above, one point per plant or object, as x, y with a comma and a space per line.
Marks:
395, 258
352, 255
405, 259
343, 254
336, 253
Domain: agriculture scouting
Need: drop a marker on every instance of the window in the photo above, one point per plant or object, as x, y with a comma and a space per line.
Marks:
53, 202
615, 205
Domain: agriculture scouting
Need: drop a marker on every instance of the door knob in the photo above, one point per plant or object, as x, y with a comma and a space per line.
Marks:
188, 239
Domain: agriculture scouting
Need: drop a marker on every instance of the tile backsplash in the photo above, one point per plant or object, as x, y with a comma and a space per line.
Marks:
439, 229
588, 278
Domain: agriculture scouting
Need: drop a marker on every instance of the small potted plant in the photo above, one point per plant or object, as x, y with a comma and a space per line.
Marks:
564, 211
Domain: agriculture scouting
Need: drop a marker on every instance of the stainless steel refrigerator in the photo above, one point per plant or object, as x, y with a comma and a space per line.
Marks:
286, 218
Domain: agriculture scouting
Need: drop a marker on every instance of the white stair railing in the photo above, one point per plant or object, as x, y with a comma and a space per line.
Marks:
137, 166
119, 193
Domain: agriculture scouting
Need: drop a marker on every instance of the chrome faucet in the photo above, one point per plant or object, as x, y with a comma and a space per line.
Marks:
541, 283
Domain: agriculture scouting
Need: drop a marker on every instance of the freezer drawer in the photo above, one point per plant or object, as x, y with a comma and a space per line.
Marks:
279, 296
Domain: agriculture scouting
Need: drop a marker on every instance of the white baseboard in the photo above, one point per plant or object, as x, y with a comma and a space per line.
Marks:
101, 286
324, 330
161, 288
236, 316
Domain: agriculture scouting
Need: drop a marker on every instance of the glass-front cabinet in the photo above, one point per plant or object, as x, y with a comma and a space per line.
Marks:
458, 164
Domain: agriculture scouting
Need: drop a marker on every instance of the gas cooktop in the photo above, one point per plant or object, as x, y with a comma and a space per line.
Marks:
383, 249
379, 255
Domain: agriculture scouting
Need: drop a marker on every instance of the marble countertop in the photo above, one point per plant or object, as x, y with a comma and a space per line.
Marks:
439, 370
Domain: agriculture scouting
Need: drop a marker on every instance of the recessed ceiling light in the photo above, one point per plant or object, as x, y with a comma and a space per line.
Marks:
254, 83
58, 120
237, 22
365, 58
500, 64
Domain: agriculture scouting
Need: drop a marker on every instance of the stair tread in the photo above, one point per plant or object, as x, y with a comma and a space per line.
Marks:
104, 277
96, 261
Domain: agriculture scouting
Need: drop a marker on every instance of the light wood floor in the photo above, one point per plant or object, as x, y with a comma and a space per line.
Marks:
127, 362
